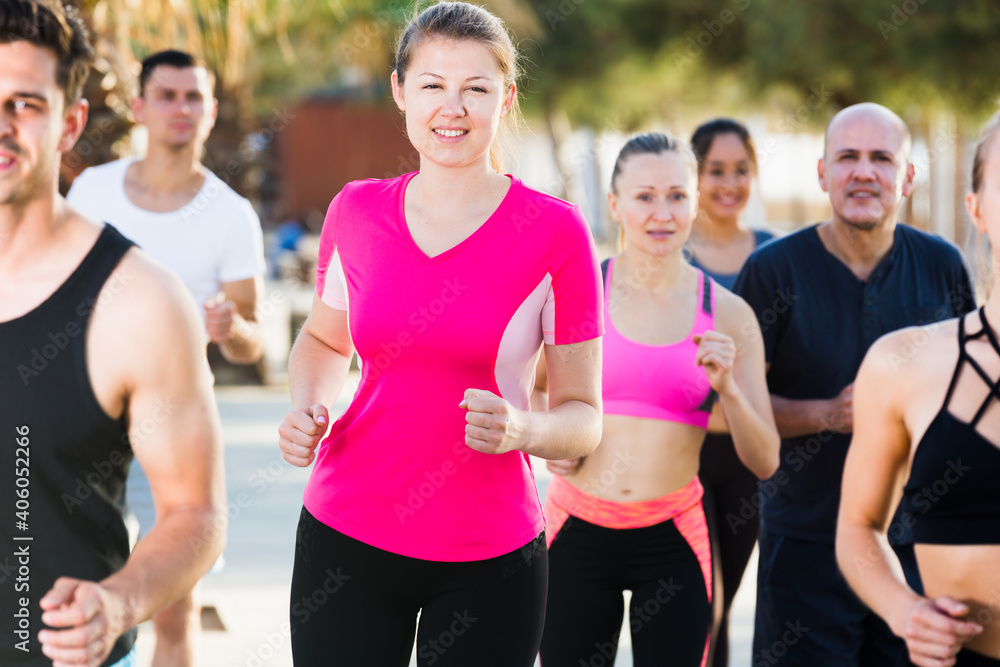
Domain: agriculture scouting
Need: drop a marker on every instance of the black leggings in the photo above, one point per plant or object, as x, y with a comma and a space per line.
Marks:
590, 566
733, 524
353, 605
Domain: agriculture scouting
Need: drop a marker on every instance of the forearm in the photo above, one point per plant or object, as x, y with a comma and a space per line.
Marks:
757, 442
800, 417
865, 559
168, 562
316, 372
569, 430
245, 342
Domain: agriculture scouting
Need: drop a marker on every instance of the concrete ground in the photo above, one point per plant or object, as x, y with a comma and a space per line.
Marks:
265, 497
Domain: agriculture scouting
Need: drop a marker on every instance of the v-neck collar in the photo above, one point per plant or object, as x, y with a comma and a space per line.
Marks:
404, 228
879, 269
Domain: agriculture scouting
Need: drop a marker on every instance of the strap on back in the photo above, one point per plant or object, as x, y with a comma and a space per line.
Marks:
963, 355
706, 294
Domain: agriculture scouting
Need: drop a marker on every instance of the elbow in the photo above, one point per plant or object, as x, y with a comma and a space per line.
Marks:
766, 470
855, 545
843, 549
594, 432
590, 436
769, 463
214, 532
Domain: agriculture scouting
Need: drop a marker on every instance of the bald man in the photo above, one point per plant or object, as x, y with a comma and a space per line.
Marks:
823, 295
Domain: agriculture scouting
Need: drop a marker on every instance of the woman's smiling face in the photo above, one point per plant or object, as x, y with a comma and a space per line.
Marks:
453, 94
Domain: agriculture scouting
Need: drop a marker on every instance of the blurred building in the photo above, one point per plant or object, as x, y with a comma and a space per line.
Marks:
332, 142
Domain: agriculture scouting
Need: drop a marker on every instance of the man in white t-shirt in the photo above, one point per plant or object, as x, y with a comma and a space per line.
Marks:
185, 217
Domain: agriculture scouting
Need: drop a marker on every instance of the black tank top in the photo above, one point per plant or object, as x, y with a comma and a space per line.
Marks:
951, 493
63, 460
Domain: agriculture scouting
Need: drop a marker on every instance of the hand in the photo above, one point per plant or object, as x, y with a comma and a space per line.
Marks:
934, 631
493, 426
219, 318
564, 466
717, 354
301, 432
840, 411
92, 616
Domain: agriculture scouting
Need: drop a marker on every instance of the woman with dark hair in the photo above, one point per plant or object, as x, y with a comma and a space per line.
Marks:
720, 243
925, 405
629, 516
447, 282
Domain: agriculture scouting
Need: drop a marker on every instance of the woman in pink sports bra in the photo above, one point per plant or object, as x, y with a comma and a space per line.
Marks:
629, 516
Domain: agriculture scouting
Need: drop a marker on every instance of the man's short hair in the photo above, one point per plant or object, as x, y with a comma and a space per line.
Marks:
170, 58
49, 25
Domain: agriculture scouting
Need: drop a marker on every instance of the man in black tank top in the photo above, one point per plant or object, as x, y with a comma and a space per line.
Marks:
101, 359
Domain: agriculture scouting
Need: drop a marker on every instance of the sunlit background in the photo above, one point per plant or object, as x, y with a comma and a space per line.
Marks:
304, 99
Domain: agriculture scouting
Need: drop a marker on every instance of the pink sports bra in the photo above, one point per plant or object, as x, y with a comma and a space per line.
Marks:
658, 381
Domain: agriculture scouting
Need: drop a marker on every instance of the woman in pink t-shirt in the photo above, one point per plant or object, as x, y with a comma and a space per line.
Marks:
446, 282
630, 515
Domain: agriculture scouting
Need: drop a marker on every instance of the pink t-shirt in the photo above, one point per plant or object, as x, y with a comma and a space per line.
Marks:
394, 471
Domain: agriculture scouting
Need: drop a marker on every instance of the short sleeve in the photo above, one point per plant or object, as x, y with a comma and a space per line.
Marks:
573, 310
757, 285
244, 250
330, 283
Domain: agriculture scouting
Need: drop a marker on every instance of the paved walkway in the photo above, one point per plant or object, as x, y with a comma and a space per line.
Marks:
265, 497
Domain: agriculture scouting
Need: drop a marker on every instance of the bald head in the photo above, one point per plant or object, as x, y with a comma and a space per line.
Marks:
866, 166
875, 116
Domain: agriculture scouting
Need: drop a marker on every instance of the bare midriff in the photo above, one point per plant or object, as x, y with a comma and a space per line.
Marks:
639, 459
970, 574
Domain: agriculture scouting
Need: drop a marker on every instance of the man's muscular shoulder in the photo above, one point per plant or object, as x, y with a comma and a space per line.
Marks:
144, 324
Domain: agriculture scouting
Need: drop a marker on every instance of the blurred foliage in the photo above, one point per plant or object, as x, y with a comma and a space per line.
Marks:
602, 60
267, 54
618, 64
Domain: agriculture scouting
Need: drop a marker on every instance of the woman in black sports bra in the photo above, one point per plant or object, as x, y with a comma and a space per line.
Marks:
927, 400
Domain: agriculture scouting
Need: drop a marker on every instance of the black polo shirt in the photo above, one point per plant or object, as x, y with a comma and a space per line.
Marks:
818, 321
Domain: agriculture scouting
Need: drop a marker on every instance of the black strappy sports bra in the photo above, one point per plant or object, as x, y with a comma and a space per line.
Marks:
952, 493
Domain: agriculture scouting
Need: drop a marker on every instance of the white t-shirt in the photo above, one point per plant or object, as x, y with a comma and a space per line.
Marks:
213, 239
